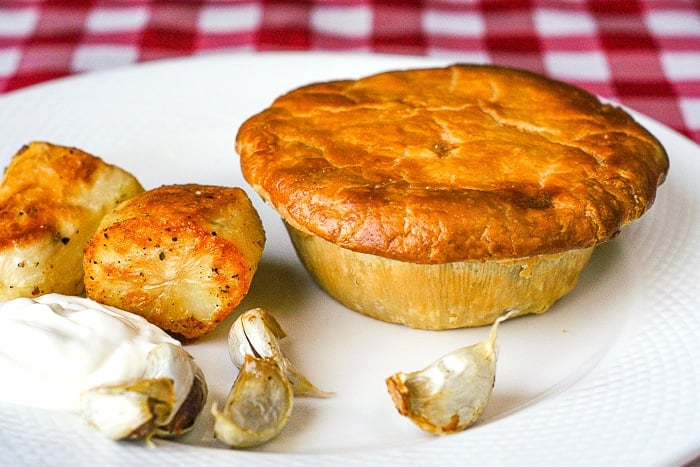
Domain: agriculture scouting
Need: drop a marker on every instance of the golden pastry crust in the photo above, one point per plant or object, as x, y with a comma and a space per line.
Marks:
181, 256
52, 198
467, 162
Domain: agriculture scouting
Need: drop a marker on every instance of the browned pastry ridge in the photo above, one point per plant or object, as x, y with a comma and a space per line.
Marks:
466, 162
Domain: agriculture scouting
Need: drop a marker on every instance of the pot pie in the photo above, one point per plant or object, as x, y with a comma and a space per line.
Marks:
442, 198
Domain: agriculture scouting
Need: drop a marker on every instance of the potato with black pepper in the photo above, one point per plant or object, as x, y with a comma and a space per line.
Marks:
52, 198
182, 256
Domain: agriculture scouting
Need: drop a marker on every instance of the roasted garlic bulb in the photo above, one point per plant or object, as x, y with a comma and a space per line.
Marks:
257, 333
258, 406
451, 393
164, 402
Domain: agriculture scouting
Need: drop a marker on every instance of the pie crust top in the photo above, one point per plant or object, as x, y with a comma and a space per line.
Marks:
466, 162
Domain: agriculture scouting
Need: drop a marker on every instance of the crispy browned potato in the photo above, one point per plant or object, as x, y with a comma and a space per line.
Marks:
52, 198
182, 256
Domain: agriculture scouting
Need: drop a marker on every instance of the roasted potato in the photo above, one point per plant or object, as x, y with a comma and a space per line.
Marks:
182, 256
52, 198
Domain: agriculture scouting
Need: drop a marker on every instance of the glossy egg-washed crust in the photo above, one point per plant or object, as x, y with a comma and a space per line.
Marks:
467, 162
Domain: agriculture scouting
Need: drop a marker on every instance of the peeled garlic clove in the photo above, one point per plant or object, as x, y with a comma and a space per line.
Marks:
164, 402
257, 333
450, 394
258, 406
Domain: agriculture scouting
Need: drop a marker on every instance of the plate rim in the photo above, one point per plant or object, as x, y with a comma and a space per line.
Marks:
424, 452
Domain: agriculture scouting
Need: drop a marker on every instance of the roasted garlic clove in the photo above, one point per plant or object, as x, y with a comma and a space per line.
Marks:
190, 387
129, 411
450, 394
258, 406
164, 402
258, 334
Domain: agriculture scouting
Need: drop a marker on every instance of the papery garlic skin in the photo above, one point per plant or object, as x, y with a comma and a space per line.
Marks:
257, 333
129, 411
189, 387
164, 401
450, 394
54, 347
258, 406
169, 361
260, 401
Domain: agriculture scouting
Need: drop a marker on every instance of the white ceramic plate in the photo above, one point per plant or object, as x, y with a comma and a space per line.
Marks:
610, 375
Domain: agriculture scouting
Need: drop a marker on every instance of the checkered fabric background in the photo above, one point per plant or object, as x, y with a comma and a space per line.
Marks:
645, 54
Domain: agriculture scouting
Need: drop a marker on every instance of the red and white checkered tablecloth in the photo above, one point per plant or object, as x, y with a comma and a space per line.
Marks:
643, 53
